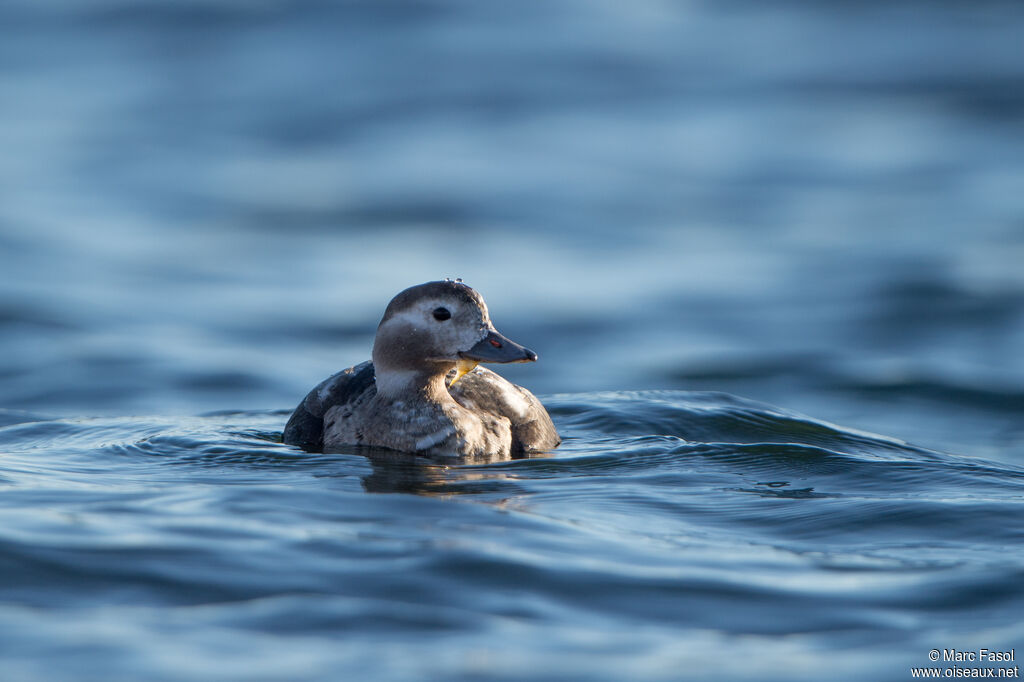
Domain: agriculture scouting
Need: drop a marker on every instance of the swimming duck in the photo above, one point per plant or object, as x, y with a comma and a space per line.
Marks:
423, 391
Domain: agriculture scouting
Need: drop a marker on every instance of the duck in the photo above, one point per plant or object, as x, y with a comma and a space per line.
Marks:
424, 391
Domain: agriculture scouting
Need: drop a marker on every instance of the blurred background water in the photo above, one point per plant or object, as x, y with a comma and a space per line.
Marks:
205, 206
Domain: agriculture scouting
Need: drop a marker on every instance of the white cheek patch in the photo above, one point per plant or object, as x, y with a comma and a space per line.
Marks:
407, 318
450, 335
470, 337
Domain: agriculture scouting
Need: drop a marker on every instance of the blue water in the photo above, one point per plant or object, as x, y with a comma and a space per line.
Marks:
769, 254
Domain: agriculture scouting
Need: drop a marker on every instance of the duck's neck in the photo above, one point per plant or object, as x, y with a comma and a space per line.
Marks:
425, 384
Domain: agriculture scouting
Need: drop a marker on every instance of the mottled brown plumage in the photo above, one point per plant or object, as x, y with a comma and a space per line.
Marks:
405, 399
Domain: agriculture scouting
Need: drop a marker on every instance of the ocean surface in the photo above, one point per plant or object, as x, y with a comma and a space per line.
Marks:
771, 255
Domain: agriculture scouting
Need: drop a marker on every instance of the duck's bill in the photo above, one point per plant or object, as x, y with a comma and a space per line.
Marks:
496, 348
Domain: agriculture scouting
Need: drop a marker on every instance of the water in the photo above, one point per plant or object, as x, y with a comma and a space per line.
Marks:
769, 254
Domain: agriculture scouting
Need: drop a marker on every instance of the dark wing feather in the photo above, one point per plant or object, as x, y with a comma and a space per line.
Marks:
305, 428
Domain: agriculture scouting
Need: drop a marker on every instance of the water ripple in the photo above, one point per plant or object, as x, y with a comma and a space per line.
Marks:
665, 509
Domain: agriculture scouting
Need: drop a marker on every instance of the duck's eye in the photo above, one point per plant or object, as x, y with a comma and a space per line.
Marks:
442, 314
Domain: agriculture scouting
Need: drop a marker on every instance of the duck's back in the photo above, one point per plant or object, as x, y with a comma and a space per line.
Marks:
305, 428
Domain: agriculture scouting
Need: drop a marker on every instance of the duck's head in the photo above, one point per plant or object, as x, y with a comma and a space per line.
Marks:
432, 327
